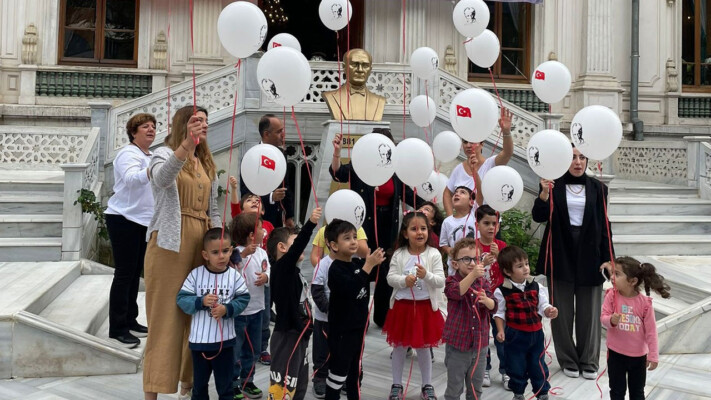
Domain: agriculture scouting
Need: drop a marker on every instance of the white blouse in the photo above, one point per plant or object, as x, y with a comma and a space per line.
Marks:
575, 196
133, 197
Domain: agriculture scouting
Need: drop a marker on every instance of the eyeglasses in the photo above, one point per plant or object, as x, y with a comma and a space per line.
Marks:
466, 260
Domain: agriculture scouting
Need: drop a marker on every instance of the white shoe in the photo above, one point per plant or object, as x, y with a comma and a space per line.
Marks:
487, 379
591, 375
505, 382
186, 396
571, 373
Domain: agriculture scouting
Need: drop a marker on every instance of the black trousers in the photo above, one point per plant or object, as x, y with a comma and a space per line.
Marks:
286, 376
128, 242
623, 371
344, 364
320, 351
220, 366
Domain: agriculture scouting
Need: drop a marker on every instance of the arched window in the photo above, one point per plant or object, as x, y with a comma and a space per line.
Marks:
511, 22
696, 46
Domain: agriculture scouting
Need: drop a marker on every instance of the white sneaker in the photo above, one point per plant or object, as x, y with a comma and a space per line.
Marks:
571, 373
487, 379
591, 375
505, 382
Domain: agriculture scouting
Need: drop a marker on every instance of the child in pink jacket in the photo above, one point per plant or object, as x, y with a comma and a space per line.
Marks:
628, 316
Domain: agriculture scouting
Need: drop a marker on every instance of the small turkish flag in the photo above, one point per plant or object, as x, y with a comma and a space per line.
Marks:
464, 112
275, 44
540, 75
268, 163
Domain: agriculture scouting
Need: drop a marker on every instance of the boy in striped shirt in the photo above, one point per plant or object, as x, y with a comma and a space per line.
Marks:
213, 294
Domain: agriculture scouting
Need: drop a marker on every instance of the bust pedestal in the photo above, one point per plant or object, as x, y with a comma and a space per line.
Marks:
321, 176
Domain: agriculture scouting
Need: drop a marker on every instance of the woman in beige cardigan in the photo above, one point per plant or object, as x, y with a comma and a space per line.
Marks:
184, 183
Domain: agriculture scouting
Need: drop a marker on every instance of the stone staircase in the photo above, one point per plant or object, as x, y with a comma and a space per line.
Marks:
31, 215
657, 219
54, 321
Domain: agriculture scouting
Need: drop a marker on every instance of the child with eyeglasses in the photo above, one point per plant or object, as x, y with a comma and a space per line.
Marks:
466, 331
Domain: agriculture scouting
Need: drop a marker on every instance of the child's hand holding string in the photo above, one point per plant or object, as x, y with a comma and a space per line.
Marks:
482, 298
551, 312
421, 271
315, 215
410, 280
500, 336
248, 250
209, 300
218, 311
615, 319
652, 365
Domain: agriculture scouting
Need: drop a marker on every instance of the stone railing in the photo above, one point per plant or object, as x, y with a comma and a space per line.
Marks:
652, 160
92, 84
216, 91
44, 147
699, 172
694, 107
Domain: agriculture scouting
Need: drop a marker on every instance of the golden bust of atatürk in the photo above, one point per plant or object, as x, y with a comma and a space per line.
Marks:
353, 100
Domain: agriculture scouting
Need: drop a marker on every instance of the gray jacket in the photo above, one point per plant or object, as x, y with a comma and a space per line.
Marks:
164, 169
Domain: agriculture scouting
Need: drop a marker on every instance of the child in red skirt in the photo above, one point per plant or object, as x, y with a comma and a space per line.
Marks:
414, 319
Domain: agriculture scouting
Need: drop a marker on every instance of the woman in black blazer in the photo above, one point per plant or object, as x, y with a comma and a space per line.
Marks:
388, 217
580, 246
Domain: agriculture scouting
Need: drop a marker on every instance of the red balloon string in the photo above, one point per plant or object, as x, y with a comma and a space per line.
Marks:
219, 321
549, 239
303, 149
196, 138
232, 142
478, 317
377, 278
251, 370
501, 104
167, 67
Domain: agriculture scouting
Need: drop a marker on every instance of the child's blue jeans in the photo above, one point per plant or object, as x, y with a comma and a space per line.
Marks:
247, 351
525, 358
499, 350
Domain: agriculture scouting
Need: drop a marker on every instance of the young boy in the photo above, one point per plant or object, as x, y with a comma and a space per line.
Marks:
458, 225
319, 351
319, 248
249, 203
347, 308
522, 303
289, 372
466, 330
487, 224
213, 294
247, 233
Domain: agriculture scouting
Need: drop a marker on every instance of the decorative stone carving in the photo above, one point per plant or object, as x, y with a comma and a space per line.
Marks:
160, 52
450, 60
29, 148
672, 76
552, 56
29, 45
657, 164
670, 2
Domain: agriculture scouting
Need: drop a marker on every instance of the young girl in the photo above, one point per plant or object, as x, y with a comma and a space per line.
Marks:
434, 219
414, 319
628, 316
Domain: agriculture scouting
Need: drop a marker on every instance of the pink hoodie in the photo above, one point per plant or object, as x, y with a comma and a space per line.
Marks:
636, 334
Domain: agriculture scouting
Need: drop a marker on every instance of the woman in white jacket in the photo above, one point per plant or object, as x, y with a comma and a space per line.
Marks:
414, 319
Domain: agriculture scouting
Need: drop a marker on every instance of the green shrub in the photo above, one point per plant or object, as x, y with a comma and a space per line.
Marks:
515, 225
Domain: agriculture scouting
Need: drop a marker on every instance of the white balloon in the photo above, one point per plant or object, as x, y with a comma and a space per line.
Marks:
424, 62
470, 17
484, 49
284, 39
446, 146
263, 168
345, 205
551, 81
502, 187
473, 114
433, 187
602, 132
414, 162
373, 158
242, 28
282, 85
335, 14
549, 154
423, 110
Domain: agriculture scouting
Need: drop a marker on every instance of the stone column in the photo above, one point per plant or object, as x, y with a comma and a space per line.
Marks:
72, 218
100, 119
597, 85
207, 44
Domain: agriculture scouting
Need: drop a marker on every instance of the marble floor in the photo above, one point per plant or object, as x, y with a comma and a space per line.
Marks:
679, 376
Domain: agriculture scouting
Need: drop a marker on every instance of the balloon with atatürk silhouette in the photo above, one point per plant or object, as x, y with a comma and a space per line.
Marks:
242, 28
433, 187
263, 168
346, 205
551, 81
471, 17
284, 86
335, 14
502, 187
284, 39
549, 153
473, 114
373, 159
596, 131
424, 62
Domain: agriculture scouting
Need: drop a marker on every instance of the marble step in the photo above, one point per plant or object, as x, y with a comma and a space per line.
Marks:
31, 203
30, 226
84, 305
665, 307
31, 249
662, 245
653, 190
103, 332
668, 224
30, 180
31, 286
658, 206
